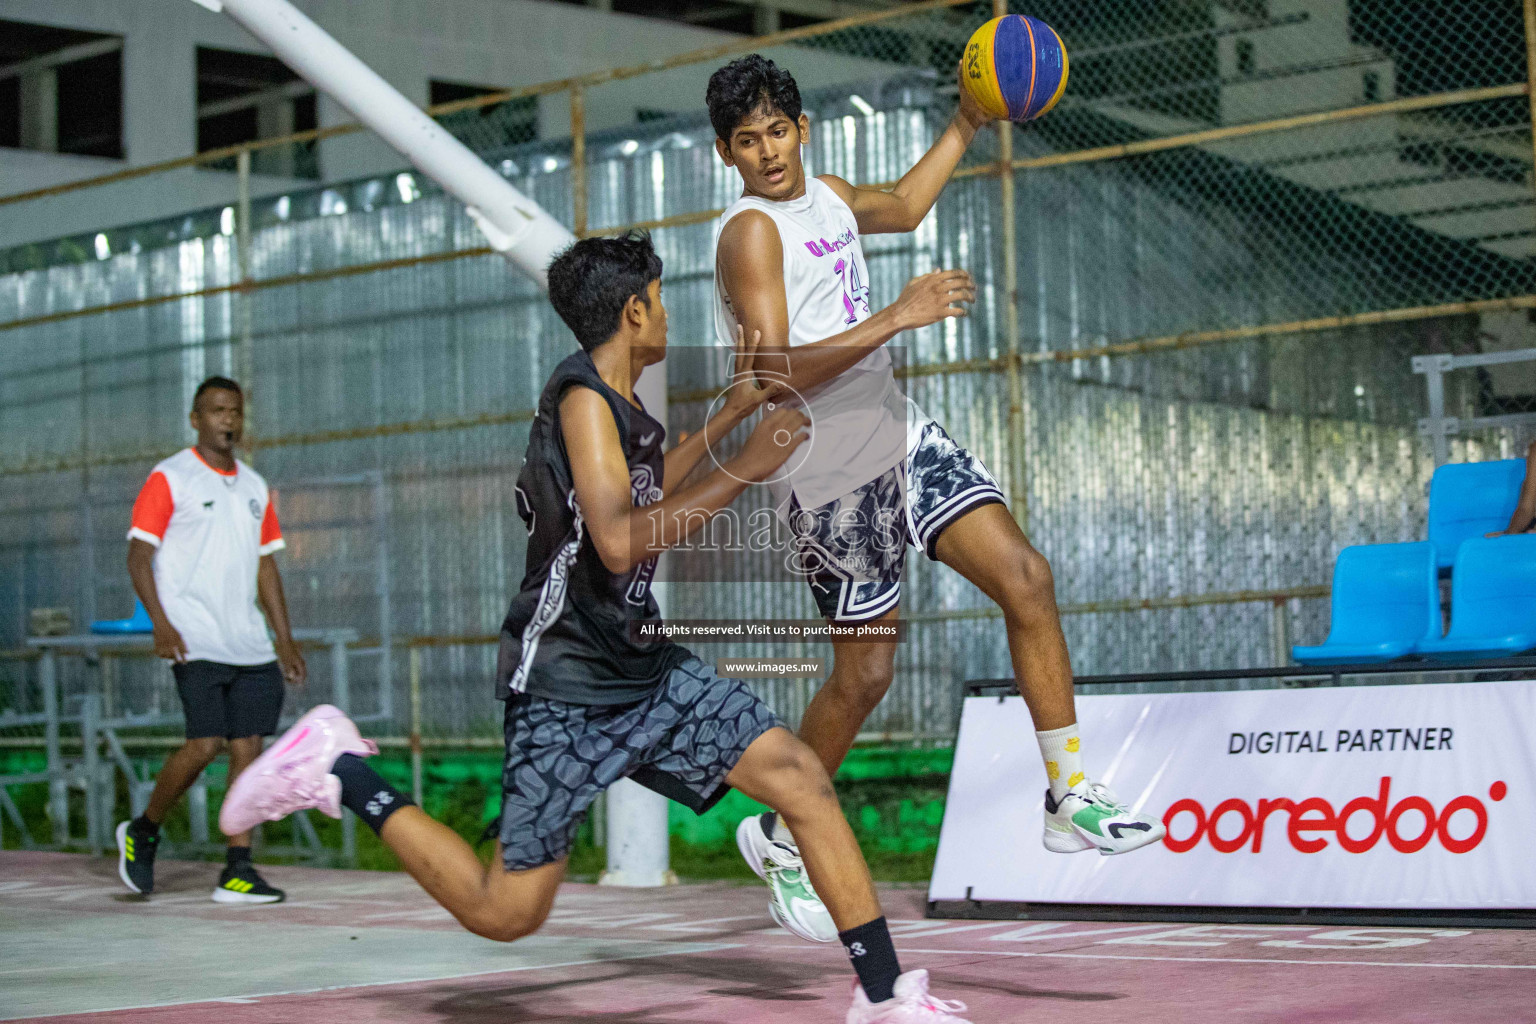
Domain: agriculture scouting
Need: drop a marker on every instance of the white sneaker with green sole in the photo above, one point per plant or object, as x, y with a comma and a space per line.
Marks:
1091, 818
793, 902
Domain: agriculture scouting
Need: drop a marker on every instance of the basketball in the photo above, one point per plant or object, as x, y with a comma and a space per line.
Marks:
1015, 67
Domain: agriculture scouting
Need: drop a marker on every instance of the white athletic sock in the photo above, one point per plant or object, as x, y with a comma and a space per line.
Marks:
1063, 756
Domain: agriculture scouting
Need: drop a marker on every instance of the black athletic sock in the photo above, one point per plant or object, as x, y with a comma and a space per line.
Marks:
874, 958
234, 855
366, 792
142, 826
769, 820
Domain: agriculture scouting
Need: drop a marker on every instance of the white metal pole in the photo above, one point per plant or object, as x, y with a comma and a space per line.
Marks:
515, 225
637, 837
637, 817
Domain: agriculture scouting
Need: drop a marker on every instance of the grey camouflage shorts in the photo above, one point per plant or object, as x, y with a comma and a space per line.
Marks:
681, 741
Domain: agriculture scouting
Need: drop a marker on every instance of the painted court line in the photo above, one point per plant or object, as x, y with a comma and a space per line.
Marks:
1222, 959
256, 996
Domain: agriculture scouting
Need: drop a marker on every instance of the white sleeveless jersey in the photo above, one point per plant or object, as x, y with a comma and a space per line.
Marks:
858, 418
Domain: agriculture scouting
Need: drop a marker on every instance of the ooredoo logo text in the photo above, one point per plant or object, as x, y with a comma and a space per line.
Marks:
1313, 824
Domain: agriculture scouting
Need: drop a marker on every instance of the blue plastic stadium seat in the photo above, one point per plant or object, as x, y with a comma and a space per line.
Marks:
1470, 499
1493, 600
1385, 600
138, 622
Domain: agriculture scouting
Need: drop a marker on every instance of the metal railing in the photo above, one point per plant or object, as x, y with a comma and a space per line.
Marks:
100, 732
1441, 425
1073, 145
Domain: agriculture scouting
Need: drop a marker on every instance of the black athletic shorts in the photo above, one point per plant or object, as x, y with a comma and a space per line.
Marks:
229, 701
681, 741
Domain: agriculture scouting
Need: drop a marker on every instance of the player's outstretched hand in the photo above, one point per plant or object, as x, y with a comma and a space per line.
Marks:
770, 444
933, 297
970, 111
169, 644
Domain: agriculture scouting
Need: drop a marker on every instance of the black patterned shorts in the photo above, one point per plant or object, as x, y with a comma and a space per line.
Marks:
852, 550
680, 741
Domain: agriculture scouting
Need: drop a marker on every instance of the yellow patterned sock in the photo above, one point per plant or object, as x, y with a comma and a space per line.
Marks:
1062, 751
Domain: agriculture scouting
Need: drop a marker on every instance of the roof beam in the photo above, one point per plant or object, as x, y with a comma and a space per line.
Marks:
277, 94
833, 9
828, 9
66, 55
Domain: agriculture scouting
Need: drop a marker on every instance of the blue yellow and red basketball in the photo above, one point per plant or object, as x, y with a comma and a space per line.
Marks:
1015, 67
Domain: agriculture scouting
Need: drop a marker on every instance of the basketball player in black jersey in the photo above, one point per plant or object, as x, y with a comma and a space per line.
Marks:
587, 702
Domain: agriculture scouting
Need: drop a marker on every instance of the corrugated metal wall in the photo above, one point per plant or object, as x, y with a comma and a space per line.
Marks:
392, 406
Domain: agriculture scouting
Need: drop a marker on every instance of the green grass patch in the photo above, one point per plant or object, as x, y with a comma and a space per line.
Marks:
893, 798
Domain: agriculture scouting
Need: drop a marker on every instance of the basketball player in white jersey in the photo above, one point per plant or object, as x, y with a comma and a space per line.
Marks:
879, 473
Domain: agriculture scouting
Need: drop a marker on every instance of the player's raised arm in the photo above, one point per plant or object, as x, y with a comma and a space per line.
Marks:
904, 206
751, 265
625, 535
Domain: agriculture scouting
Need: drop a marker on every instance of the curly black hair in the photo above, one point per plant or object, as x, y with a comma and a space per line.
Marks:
747, 85
590, 282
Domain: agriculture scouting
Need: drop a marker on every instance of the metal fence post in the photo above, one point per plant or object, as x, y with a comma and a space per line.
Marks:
58, 795
90, 766
1280, 630
1435, 425
245, 359
382, 588
1018, 492
578, 162
416, 725
197, 812
1530, 75
341, 693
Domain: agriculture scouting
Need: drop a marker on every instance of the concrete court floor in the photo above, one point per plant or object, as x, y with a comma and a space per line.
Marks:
371, 947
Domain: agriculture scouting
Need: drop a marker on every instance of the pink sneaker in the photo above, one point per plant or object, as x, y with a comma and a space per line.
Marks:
295, 772
911, 1005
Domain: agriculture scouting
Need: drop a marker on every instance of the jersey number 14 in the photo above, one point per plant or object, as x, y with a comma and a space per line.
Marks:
855, 291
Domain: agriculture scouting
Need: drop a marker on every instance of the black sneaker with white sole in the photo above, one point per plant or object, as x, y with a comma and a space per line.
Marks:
241, 883
136, 857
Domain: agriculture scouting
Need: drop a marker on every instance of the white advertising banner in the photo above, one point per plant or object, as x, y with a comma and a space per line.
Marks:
1420, 796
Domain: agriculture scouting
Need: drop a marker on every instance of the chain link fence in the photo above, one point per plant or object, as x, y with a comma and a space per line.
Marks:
1232, 236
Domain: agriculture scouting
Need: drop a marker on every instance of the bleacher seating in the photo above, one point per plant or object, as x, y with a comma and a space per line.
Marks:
1386, 607
1493, 600
1386, 599
1470, 499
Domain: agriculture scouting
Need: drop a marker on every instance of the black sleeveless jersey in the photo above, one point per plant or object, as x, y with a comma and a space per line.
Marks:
567, 635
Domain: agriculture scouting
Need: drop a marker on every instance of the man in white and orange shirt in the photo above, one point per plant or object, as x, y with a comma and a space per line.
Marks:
200, 555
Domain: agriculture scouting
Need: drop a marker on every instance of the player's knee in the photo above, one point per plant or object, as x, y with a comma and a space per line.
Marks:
245, 746
865, 682
802, 762
205, 749
506, 924
805, 780
1028, 584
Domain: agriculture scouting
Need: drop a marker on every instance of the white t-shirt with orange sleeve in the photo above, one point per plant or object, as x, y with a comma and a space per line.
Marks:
211, 529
